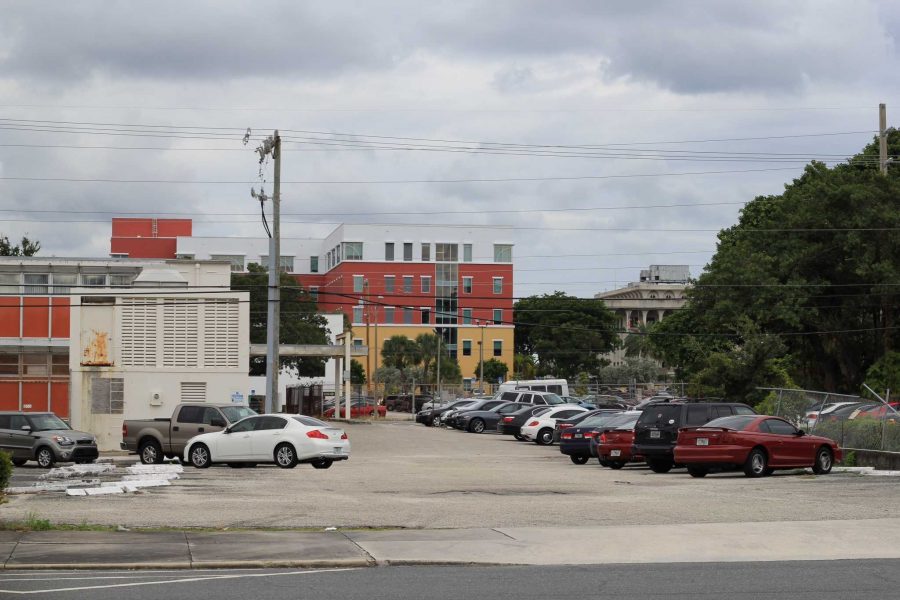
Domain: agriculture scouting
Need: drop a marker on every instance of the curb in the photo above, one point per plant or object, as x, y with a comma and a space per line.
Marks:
211, 564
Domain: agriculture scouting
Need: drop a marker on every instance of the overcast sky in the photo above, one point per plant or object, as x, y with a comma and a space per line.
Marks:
540, 73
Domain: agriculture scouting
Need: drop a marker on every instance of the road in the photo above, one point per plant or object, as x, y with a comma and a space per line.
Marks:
860, 580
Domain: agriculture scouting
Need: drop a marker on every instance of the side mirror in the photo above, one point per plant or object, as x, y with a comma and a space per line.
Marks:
217, 422
800, 433
26, 428
226, 430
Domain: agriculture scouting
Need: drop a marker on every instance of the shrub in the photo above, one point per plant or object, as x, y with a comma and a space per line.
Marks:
5, 470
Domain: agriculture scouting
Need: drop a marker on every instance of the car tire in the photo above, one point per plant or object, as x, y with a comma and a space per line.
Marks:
200, 456
476, 426
45, 458
19, 461
615, 465
285, 456
660, 466
519, 437
150, 453
756, 463
544, 437
695, 472
579, 460
322, 463
824, 461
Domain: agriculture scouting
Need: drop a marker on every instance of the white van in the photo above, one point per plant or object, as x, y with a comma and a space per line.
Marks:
560, 387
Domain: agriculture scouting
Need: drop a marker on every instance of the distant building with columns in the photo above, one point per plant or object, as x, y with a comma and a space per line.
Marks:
660, 291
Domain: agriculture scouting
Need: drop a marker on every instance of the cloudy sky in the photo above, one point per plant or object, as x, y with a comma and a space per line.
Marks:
584, 130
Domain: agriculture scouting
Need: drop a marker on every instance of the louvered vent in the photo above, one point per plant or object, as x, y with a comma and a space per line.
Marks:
193, 391
138, 332
220, 333
180, 332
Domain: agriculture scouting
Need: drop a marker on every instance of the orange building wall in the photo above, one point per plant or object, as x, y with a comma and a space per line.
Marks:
9, 317
59, 398
35, 395
36, 321
9, 395
59, 318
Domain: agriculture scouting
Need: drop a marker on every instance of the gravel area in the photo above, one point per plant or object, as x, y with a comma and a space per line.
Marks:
406, 475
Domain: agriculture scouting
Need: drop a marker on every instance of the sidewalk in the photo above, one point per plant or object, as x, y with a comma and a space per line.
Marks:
710, 542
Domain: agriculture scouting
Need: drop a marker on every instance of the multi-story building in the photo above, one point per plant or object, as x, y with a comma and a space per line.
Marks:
387, 279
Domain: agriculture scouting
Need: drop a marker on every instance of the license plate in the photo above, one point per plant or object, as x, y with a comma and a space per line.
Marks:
338, 450
702, 441
654, 435
615, 453
578, 435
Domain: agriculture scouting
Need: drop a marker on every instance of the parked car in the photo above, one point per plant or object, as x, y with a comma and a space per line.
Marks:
613, 443
283, 439
575, 441
154, 439
530, 397
540, 428
45, 438
512, 424
428, 416
556, 386
660, 399
359, 407
758, 444
402, 403
849, 411
818, 411
479, 421
879, 411
451, 418
563, 424
602, 401
657, 428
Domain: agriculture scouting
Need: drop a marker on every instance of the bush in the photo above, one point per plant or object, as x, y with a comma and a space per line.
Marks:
5, 470
862, 433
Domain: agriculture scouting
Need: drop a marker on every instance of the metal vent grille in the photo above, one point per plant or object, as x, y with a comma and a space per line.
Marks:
139, 332
193, 391
107, 395
180, 333
221, 334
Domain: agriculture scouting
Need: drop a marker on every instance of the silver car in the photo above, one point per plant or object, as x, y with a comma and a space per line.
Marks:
45, 438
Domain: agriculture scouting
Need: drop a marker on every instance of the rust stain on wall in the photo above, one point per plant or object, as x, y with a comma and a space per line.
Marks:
96, 353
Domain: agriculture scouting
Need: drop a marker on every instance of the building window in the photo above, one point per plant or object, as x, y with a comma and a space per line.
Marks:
426, 315
388, 314
59, 365
119, 280
467, 316
446, 252
498, 316
498, 285
502, 253
337, 252
467, 285
426, 285
467, 384
313, 264
184, 256
357, 342
467, 252
668, 296
389, 251
389, 283
35, 365
407, 316
467, 347
37, 283
357, 314
498, 347
286, 264
9, 283
407, 251
236, 260
328, 259
353, 250
358, 282
9, 364
314, 293
407, 284
90, 280
426, 252
63, 282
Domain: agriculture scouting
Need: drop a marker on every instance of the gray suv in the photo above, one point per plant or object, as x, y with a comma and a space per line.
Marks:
45, 438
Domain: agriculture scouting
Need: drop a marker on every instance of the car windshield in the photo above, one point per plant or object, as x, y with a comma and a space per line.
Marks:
46, 423
309, 421
598, 421
738, 423
236, 413
553, 399
662, 413
622, 420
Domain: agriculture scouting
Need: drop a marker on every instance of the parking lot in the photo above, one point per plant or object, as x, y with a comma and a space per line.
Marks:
406, 475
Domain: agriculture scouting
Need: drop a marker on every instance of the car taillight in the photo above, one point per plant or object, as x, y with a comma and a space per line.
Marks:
507, 419
567, 436
316, 435
564, 425
124, 430
602, 438
344, 436
533, 424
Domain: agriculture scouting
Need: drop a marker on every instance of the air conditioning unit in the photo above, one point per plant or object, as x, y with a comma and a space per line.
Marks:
156, 399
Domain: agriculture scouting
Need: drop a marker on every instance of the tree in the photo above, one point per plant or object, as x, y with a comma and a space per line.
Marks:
390, 377
567, 334
524, 367
495, 370
638, 343
450, 371
400, 352
641, 370
885, 375
357, 372
299, 322
25, 248
428, 348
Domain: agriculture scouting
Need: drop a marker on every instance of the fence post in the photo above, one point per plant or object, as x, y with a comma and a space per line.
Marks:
778, 404
887, 405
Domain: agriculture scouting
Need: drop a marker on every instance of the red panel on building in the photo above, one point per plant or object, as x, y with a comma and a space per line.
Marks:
144, 247
148, 238
36, 320
59, 398
482, 299
9, 317
34, 396
173, 227
131, 228
59, 319
9, 395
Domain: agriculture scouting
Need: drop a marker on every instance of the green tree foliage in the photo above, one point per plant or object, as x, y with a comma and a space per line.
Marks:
639, 344
525, 367
5, 470
390, 377
494, 370
641, 370
25, 248
400, 352
450, 370
830, 296
357, 372
428, 349
299, 322
565, 333
885, 374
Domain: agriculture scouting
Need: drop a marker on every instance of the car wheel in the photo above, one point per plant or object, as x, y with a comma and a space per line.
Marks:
824, 460
697, 472
545, 437
19, 461
200, 457
45, 458
476, 426
579, 460
756, 463
615, 465
519, 437
322, 463
660, 466
150, 453
285, 456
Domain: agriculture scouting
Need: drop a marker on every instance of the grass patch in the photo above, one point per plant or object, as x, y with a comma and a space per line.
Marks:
34, 522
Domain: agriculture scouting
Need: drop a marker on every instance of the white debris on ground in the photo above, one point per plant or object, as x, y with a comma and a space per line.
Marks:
866, 471
111, 487
78, 471
139, 469
74, 480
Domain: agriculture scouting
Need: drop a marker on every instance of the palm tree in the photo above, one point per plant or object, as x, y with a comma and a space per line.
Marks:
638, 343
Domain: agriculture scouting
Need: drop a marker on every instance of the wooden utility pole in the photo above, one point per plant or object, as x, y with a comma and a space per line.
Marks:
882, 138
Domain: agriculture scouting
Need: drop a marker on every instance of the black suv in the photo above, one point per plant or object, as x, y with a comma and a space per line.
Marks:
657, 430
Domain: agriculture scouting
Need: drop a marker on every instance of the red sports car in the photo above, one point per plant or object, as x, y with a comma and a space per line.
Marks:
359, 408
614, 448
758, 444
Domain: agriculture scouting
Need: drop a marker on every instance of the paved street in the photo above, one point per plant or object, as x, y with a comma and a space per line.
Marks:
406, 475
859, 580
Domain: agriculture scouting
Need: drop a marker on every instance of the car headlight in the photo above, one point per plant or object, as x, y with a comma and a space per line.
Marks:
62, 440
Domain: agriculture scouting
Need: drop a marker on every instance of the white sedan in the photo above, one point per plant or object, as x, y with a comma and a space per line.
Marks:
281, 439
539, 429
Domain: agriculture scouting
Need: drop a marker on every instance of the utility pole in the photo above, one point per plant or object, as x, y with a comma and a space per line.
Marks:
882, 138
439, 394
481, 360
